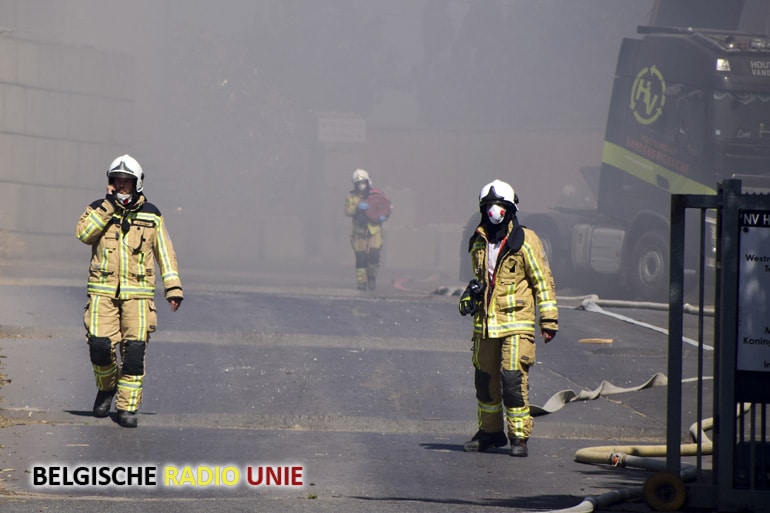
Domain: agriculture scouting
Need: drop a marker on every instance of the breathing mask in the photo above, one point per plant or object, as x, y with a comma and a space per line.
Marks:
495, 213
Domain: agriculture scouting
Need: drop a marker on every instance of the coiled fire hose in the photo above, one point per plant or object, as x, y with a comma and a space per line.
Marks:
662, 491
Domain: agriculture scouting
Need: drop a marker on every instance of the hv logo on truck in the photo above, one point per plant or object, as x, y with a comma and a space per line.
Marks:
648, 95
754, 292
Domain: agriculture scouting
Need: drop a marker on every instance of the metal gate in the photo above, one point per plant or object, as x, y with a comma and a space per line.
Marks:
738, 478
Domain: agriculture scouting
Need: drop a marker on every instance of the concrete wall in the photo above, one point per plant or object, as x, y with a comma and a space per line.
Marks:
65, 112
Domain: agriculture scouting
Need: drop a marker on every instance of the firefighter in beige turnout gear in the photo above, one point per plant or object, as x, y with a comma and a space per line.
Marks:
512, 284
366, 237
127, 236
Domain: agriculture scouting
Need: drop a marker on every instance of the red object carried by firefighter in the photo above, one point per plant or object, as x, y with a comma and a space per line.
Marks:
380, 206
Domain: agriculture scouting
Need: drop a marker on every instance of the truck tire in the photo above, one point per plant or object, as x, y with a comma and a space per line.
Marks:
558, 258
648, 269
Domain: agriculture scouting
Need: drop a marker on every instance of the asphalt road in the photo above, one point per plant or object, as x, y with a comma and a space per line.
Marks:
368, 396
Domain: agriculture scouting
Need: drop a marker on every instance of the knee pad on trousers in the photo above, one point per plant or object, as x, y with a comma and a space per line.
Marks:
100, 349
360, 259
482, 380
512, 396
374, 256
133, 358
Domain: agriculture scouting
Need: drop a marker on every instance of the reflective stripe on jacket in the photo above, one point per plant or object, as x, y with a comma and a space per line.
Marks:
522, 278
123, 264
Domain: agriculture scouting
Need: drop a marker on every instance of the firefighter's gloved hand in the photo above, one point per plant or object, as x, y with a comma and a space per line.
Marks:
467, 305
470, 298
363, 205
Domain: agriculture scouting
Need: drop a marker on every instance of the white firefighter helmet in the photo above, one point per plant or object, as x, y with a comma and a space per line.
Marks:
498, 192
126, 164
360, 175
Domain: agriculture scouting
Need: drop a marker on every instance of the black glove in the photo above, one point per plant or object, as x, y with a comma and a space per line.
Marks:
550, 333
470, 298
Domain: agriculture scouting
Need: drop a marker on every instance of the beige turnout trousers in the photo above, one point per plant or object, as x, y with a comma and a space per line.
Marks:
125, 323
502, 384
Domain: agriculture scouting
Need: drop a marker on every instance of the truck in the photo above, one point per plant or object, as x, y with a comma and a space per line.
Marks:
689, 108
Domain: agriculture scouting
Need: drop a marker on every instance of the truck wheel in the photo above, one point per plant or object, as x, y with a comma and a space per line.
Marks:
648, 273
555, 262
548, 234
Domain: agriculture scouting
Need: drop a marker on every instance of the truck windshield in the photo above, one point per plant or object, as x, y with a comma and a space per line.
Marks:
742, 116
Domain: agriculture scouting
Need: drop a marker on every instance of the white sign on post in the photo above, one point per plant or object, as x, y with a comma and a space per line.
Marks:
753, 286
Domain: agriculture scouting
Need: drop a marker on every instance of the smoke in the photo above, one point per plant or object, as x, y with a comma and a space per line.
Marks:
452, 94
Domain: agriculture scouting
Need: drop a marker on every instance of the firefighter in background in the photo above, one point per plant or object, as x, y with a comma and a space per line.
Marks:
512, 283
127, 236
369, 208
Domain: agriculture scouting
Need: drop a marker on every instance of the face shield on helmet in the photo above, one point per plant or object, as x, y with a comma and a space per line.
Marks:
127, 165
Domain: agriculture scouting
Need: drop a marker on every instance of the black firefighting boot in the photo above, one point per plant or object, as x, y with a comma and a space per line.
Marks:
483, 441
103, 402
519, 447
127, 419
372, 268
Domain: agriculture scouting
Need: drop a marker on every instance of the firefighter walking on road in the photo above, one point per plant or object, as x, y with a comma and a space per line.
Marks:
369, 208
512, 284
127, 236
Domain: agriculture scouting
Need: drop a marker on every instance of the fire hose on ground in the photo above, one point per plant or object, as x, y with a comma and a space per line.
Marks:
663, 491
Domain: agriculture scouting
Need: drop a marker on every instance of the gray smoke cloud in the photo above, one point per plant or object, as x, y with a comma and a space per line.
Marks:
433, 97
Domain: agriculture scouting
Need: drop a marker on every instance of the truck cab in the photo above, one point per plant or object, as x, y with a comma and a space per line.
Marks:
689, 108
